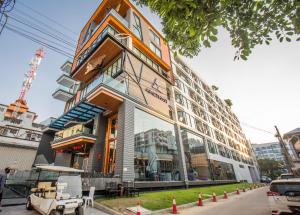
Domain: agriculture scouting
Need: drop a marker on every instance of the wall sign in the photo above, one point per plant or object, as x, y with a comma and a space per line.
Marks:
155, 91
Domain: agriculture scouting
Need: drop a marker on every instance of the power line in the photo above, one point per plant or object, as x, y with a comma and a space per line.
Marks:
43, 32
46, 17
38, 36
53, 48
256, 128
5, 7
24, 14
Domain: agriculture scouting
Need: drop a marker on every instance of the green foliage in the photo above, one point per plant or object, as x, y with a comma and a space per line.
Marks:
270, 167
214, 87
228, 102
190, 25
163, 199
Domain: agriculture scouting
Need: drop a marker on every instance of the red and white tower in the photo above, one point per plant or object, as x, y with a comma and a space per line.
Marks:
20, 106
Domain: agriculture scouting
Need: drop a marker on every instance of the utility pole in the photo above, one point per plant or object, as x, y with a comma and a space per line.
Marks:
284, 151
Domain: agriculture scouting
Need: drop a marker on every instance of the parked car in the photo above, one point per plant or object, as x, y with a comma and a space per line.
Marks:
284, 196
286, 176
58, 191
265, 179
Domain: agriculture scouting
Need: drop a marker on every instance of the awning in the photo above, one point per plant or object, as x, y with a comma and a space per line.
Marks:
81, 112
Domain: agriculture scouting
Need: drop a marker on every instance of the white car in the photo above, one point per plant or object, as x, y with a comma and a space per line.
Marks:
284, 196
58, 191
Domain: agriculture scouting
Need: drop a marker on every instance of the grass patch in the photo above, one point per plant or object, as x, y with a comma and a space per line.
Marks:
163, 199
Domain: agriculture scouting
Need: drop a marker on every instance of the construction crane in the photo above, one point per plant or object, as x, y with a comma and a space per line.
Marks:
20, 106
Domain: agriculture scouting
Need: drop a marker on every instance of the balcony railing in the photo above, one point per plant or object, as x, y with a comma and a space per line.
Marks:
73, 131
108, 30
65, 89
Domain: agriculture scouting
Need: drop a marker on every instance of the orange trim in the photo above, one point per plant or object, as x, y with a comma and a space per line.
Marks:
114, 22
72, 142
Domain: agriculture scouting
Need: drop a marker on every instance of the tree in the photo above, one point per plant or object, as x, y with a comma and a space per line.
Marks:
228, 102
270, 167
190, 25
214, 87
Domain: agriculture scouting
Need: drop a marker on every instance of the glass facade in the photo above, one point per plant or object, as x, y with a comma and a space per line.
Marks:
195, 156
221, 170
156, 155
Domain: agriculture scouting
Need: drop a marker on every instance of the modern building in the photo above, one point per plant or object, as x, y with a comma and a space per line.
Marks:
123, 115
270, 150
19, 138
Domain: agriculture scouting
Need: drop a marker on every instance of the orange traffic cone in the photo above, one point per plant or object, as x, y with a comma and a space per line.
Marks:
214, 198
225, 195
138, 209
200, 202
174, 209
237, 191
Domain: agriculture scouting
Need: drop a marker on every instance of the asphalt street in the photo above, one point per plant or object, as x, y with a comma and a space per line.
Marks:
249, 203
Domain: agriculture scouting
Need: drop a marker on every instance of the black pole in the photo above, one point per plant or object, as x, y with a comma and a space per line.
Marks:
284, 150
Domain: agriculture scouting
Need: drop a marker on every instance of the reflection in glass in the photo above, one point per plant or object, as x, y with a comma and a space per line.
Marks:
156, 156
222, 170
195, 156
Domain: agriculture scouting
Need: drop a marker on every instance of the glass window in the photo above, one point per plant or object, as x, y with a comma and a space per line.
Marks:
154, 37
156, 155
222, 170
195, 156
212, 147
137, 30
155, 49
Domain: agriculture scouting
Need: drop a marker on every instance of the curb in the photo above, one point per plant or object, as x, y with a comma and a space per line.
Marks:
166, 210
106, 209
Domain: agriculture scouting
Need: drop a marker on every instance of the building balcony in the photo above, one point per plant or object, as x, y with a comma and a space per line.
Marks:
99, 54
63, 93
73, 137
66, 80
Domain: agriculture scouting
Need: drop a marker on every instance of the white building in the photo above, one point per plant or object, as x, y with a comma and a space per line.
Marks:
203, 115
19, 139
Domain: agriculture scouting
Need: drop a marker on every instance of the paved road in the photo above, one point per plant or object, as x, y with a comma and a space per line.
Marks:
249, 203
20, 210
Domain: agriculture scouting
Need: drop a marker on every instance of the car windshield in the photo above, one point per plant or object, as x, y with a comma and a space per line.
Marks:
73, 185
287, 176
284, 188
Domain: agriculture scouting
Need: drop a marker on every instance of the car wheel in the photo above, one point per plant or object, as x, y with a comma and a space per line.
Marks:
55, 212
28, 204
79, 211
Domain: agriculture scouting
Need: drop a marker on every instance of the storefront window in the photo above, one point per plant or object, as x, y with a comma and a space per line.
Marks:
222, 170
156, 155
195, 156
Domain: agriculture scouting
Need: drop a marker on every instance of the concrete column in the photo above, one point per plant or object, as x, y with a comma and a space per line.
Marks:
181, 156
98, 148
125, 142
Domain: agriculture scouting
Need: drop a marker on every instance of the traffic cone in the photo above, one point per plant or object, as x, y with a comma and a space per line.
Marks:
214, 198
200, 202
174, 209
237, 191
225, 195
138, 209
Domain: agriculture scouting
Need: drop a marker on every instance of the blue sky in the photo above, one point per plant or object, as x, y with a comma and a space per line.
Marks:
264, 89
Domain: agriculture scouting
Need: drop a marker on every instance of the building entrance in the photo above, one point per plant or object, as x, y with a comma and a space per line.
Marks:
110, 145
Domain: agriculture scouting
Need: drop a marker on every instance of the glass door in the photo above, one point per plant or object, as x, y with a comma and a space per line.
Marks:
110, 146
